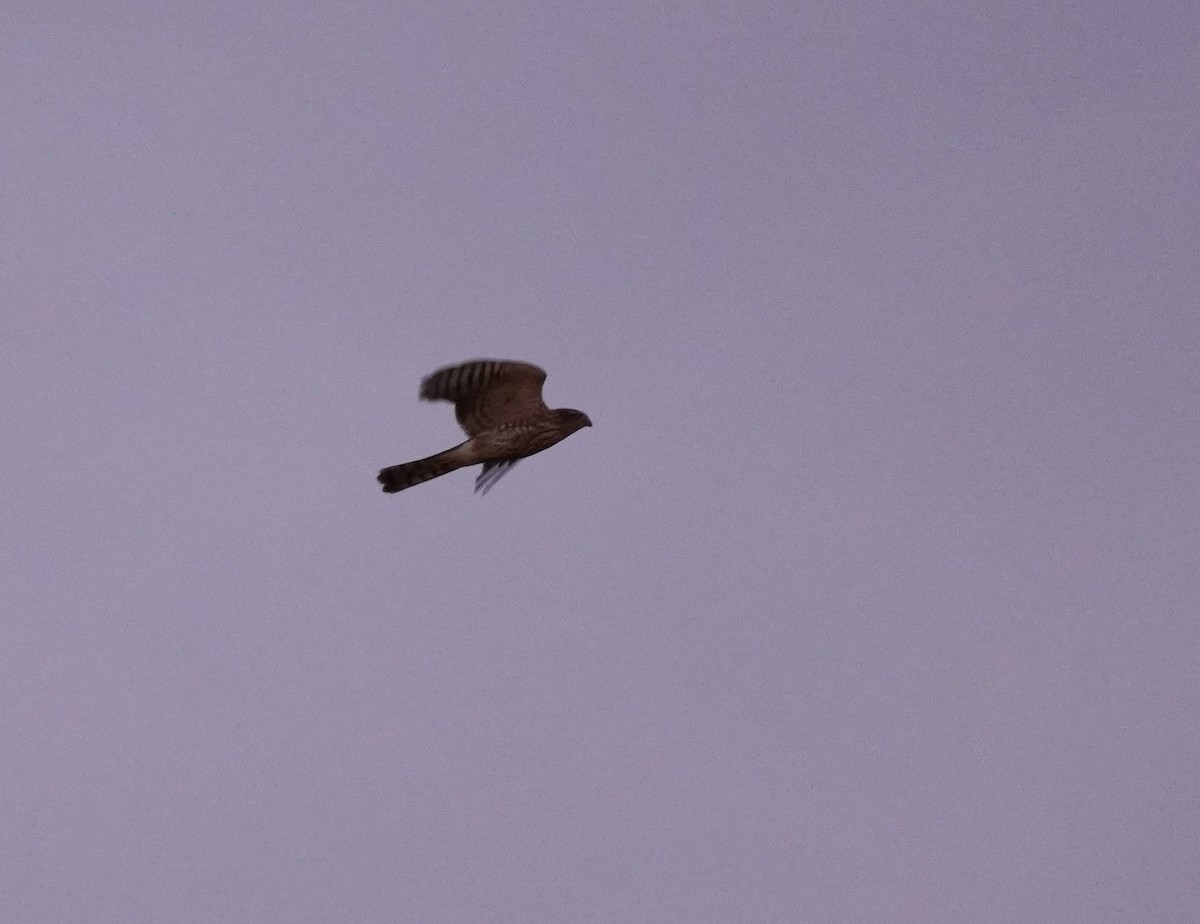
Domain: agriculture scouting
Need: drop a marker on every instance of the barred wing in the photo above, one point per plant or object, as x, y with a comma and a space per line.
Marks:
488, 393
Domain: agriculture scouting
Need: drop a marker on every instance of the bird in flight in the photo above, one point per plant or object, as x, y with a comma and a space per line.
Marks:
499, 404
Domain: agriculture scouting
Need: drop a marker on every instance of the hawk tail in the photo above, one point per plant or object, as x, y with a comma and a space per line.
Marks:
398, 477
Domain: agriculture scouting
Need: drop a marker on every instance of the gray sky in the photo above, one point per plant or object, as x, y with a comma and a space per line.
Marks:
871, 596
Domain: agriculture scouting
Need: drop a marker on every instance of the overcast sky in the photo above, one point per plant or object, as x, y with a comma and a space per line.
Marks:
872, 595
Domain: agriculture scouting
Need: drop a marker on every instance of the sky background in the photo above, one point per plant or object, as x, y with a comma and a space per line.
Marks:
871, 596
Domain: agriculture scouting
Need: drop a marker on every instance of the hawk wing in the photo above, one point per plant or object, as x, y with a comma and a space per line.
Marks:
488, 393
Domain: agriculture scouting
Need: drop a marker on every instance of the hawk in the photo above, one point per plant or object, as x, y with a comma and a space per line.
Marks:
499, 404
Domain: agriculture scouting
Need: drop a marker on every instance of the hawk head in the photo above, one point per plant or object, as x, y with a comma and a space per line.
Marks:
572, 419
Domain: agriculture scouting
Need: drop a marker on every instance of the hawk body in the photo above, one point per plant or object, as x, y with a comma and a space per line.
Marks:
499, 405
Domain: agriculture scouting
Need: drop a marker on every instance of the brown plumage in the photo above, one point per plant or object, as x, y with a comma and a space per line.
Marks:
499, 405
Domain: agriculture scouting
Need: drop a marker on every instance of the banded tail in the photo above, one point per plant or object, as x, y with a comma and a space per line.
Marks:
398, 477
